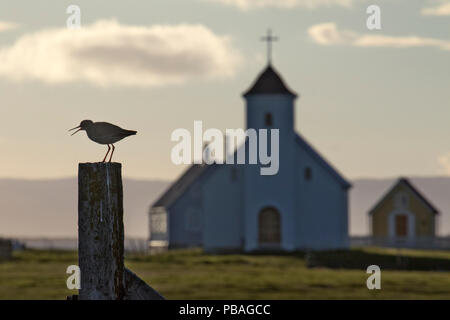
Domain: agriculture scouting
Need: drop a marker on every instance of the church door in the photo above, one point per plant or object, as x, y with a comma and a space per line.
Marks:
269, 228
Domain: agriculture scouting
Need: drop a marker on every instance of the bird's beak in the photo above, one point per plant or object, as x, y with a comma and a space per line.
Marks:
77, 127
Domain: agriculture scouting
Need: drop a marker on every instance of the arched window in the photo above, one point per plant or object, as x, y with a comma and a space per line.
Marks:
269, 226
268, 119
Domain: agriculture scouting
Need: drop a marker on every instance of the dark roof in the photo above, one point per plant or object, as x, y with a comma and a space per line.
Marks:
269, 82
321, 160
181, 185
406, 182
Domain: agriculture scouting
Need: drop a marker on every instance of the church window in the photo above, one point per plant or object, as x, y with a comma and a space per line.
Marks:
308, 173
268, 119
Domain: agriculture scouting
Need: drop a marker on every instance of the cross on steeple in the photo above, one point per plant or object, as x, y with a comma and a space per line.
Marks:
269, 39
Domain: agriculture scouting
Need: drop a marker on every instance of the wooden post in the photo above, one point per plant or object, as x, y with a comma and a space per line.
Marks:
100, 231
101, 237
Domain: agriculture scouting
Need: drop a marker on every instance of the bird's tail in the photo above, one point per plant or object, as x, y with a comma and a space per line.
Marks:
131, 132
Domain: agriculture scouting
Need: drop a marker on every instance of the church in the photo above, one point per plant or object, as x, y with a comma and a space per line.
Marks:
233, 208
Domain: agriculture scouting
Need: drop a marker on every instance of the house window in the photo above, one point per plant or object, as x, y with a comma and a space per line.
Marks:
308, 173
268, 120
401, 200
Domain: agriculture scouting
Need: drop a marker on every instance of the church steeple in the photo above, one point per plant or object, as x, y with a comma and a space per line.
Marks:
269, 101
269, 82
270, 112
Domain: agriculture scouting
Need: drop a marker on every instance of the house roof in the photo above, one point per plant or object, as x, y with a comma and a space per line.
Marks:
321, 160
269, 82
408, 184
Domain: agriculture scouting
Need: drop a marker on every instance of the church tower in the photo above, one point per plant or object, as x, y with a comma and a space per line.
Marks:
270, 199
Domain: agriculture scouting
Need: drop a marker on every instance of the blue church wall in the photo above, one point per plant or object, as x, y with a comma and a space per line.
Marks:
185, 218
321, 205
222, 205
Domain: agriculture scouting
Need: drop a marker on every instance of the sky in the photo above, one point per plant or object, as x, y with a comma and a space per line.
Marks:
375, 103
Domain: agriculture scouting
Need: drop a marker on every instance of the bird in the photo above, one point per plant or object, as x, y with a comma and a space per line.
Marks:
103, 133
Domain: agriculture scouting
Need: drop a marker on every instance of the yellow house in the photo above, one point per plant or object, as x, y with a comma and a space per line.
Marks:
403, 215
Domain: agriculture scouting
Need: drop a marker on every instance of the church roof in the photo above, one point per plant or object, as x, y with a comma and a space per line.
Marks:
181, 184
410, 186
321, 160
269, 82
196, 171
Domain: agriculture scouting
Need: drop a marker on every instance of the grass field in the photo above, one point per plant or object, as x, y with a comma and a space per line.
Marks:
191, 274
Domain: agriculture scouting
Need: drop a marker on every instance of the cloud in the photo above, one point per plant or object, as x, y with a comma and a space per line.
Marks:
6, 26
440, 10
252, 4
107, 53
444, 162
329, 34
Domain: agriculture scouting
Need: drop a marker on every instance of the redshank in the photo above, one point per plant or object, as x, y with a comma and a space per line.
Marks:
103, 133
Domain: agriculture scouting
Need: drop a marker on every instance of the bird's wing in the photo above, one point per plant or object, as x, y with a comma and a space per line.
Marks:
106, 130
106, 126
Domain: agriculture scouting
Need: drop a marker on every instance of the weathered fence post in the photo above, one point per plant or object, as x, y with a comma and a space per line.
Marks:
100, 231
101, 237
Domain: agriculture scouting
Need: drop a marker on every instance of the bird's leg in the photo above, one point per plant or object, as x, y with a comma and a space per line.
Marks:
109, 148
113, 148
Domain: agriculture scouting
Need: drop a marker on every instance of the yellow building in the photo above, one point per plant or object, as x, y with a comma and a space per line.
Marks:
403, 215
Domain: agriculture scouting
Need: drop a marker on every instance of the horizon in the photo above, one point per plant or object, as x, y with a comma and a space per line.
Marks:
57, 220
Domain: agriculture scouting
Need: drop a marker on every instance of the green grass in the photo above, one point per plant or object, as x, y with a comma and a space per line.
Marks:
191, 274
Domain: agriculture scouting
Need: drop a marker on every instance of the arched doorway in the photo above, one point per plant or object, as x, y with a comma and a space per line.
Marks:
269, 227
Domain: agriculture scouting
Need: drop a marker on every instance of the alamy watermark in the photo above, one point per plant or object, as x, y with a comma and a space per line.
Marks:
74, 20
373, 21
374, 280
222, 149
73, 281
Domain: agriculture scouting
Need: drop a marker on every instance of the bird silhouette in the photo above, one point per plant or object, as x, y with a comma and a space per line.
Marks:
103, 133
